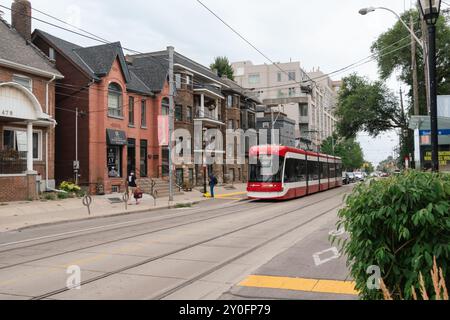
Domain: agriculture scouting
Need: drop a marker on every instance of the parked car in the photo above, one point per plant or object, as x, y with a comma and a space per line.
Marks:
359, 176
351, 177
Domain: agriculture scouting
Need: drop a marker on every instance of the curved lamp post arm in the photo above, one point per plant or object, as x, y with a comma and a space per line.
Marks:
371, 9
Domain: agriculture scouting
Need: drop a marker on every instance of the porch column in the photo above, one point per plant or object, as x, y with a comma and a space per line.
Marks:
202, 105
29, 146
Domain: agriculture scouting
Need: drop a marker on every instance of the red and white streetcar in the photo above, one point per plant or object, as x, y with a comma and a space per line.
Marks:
281, 173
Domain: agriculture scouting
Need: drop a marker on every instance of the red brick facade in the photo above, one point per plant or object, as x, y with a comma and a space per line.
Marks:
22, 187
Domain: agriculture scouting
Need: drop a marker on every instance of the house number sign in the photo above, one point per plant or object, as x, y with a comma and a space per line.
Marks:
6, 112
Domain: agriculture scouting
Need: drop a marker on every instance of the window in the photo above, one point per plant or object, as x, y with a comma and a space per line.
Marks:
143, 114
229, 101
131, 111
180, 176
313, 170
114, 161
279, 76
292, 75
143, 158
188, 80
303, 110
114, 100
178, 113
291, 92
254, 78
280, 93
263, 171
178, 80
266, 125
165, 106
189, 114
51, 53
23, 81
16, 139
324, 170
230, 124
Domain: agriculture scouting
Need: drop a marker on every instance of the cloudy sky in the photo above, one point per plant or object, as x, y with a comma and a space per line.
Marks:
329, 34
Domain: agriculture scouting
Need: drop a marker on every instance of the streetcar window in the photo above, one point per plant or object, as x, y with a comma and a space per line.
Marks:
263, 171
332, 170
323, 170
313, 170
295, 171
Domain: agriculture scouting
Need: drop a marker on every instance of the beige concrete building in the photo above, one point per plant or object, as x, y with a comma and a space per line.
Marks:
307, 98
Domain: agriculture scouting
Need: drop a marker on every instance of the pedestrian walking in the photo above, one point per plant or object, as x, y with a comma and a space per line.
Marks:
212, 183
132, 186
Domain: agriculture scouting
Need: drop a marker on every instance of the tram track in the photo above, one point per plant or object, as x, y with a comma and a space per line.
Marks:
111, 227
134, 235
198, 243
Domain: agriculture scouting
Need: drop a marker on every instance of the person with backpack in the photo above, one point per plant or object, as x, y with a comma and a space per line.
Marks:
212, 183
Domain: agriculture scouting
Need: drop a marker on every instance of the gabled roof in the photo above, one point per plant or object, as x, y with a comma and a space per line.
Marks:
96, 61
233, 86
101, 58
153, 71
15, 50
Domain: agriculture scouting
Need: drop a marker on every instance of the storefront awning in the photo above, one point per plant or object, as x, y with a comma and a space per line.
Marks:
116, 137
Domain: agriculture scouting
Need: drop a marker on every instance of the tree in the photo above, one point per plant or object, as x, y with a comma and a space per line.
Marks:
369, 106
223, 67
346, 148
393, 53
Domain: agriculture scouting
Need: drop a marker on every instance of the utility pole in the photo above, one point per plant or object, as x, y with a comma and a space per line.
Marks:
414, 69
76, 164
426, 66
171, 121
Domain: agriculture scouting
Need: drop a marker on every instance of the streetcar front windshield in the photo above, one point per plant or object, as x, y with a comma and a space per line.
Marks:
267, 169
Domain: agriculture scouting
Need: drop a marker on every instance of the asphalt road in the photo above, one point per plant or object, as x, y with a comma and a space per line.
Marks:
202, 252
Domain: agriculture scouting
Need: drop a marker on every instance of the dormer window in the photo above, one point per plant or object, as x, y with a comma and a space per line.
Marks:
51, 54
115, 100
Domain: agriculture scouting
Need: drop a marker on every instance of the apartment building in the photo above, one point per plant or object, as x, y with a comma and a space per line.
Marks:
306, 98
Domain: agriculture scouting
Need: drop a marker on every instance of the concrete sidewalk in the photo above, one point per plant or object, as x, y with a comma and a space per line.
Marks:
19, 215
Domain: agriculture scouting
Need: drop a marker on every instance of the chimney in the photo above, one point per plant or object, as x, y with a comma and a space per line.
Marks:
21, 18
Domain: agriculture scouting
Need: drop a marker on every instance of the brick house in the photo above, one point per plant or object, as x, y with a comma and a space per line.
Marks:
117, 116
201, 99
27, 110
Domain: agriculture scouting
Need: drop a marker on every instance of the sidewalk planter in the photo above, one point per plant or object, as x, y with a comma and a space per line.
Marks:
398, 225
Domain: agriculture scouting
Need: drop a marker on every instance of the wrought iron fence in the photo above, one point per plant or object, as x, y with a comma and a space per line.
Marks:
12, 166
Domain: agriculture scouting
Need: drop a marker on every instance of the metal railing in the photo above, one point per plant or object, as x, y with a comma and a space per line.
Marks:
12, 166
206, 114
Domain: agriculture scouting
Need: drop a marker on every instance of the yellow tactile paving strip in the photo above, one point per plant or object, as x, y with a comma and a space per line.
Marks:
300, 284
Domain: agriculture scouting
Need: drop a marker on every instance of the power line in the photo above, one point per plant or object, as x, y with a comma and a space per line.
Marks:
247, 41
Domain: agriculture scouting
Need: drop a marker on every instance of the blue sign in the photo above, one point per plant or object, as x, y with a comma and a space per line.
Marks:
443, 132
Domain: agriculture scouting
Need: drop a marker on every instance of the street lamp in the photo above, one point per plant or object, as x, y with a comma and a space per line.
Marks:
365, 11
430, 10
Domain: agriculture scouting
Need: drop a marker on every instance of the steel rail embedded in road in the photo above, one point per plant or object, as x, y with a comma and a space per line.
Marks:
116, 240
237, 257
111, 227
146, 261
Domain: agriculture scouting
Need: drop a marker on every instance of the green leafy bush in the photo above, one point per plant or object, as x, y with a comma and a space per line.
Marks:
63, 196
69, 187
398, 224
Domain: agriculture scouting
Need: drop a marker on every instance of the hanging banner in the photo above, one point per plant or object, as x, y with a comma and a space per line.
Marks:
163, 130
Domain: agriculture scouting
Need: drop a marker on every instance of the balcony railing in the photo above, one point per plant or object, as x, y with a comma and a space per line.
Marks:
206, 114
